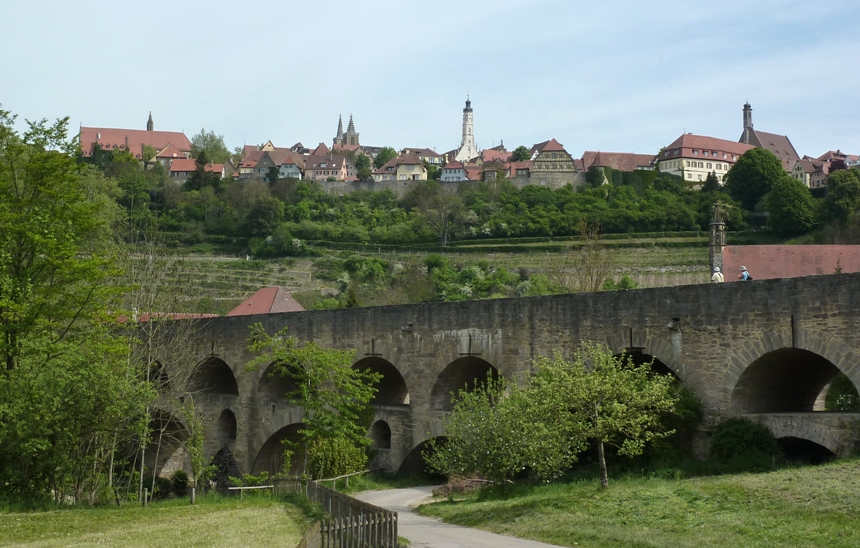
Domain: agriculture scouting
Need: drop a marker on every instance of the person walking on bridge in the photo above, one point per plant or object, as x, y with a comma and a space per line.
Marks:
744, 276
718, 276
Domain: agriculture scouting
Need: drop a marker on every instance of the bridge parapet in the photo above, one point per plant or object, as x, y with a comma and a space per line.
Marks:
835, 431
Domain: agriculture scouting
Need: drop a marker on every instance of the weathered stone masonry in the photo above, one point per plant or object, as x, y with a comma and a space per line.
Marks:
757, 348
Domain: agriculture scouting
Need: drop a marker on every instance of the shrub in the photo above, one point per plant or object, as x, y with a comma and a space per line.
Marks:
180, 479
740, 440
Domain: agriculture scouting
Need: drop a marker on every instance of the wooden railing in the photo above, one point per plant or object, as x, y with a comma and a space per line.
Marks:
353, 523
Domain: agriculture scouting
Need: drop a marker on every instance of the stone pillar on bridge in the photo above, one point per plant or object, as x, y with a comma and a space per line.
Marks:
717, 237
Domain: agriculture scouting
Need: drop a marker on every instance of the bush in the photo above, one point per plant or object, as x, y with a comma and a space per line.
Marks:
180, 480
741, 441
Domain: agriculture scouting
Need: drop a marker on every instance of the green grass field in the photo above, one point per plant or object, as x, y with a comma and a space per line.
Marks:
811, 506
252, 522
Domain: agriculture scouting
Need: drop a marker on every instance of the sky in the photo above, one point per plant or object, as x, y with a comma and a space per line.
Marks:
613, 75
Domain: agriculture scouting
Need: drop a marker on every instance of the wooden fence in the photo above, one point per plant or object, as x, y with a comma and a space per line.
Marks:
353, 523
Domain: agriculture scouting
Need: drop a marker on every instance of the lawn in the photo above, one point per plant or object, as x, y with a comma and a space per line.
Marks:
214, 521
811, 506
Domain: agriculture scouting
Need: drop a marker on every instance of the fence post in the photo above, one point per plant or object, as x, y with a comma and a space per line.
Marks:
193, 495
145, 496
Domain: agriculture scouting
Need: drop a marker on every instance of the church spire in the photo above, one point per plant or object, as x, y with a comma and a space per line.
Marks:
351, 127
338, 139
149, 124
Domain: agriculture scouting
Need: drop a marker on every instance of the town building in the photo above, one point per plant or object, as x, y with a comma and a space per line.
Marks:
181, 169
693, 157
452, 172
468, 149
621, 161
552, 165
402, 168
780, 145
134, 141
425, 155
329, 167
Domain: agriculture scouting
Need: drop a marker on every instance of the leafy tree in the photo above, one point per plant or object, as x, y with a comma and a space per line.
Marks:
65, 383
712, 183
201, 178
361, 161
499, 431
383, 156
604, 398
752, 176
520, 154
364, 174
791, 208
265, 216
210, 144
438, 208
843, 196
335, 398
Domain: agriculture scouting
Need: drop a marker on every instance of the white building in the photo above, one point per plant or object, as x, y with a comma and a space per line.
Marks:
467, 149
692, 157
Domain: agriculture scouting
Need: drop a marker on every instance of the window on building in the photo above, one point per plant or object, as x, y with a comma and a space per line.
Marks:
705, 152
676, 152
695, 153
700, 176
709, 165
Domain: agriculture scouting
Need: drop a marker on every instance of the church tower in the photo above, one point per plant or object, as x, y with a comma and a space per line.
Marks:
748, 125
338, 139
149, 125
351, 135
467, 149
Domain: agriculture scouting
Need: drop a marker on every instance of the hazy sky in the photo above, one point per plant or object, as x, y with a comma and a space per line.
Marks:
612, 75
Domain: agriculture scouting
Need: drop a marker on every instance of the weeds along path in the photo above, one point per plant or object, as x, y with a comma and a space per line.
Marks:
425, 532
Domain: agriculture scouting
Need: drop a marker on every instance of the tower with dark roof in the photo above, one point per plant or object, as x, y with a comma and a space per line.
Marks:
338, 139
351, 137
467, 149
748, 125
149, 124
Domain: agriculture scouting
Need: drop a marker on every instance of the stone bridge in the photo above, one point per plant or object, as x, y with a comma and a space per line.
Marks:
767, 349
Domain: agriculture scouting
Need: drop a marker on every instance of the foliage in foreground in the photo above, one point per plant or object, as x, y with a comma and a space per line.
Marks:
793, 507
335, 398
501, 430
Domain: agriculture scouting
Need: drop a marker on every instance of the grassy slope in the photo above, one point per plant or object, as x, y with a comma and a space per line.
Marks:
796, 507
227, 522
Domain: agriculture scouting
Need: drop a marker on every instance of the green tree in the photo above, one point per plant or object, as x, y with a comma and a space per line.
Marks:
843, 196
361, 161
752, 176
383, 156
791, 207
66, 383
500, 431
211, 144
604, 398
712, 183
265, 216
201, 178
521, 154
334, 395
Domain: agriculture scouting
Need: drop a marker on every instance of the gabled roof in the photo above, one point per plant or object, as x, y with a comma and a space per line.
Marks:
268, 300
188, 164
473, 173
392, 164
526, 164
331, 161
283, 156
690, 142
350, 148
780, 145
171, 151
490, 154
426, 152
132, 140
320, 150
453, 165
552, 146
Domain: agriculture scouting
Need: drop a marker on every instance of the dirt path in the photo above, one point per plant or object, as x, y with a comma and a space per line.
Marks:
425, 532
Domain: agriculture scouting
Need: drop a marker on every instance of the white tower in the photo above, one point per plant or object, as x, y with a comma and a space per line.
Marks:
467, 149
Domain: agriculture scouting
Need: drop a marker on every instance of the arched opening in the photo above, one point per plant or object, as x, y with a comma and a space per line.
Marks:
415, 465
226, 428
801, 450
783, 381
157, 376
467, 372
638, 357
213, 376
271, 455
380, 435
165, 453
391, 389
275, 383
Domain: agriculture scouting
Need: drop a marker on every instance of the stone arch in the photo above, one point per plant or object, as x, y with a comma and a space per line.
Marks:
468, 372
391, 389
639, 357
157, 375
270, 458
782, 381
214, 376
380, 435
414, 463
274, 384
225, 428
805, 450
166, 451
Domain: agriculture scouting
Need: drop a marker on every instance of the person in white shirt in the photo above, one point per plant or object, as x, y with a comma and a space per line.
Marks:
717, 276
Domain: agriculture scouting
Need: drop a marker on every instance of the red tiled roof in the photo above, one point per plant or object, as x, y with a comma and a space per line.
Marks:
391, 165
473, 173
320, 150
268, 300
489, 155
766, 262
429, 153
688, 141
133, 139
622, 161
526, 164
171, 151
188, 164
552, 146
454, 164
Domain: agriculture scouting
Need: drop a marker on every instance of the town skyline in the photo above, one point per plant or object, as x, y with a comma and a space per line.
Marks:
614, 77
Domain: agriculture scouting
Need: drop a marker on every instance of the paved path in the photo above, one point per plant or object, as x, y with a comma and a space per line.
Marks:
425, 532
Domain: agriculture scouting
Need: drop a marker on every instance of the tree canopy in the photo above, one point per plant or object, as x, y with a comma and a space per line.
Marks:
383, 156
752, 176
520, 154
213, 145
843, 195
790, 207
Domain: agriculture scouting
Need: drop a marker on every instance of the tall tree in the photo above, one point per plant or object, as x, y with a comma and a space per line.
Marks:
790, 207
752, 176
843, 196
521, 154
213, 145
65, 382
